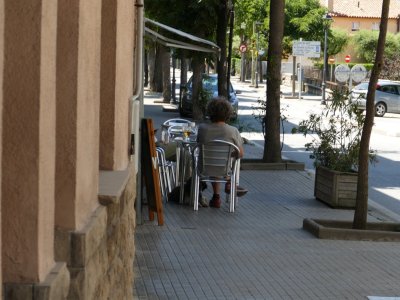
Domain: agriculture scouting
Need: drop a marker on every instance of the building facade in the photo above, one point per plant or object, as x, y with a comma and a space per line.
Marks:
355, 15
70, 80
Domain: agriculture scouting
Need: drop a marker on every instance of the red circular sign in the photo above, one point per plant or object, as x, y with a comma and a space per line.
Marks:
243, 48
347, 58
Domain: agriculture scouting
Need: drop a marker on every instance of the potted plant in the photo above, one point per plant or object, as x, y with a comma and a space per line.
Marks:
335, 143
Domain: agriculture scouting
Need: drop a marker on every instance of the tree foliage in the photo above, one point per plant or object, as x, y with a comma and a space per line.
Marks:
366, 41
198, 18
337, 41
303, 19
249, 11
391, 68
335, 134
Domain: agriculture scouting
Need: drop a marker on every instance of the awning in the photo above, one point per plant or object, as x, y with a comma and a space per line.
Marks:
206, 46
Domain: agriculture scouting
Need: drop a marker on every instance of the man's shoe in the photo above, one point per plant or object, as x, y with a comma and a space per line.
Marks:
215, 201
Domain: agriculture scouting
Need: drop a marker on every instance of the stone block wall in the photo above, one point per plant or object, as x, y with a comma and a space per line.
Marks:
100, 255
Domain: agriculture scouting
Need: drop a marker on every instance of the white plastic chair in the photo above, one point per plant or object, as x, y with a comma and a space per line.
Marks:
166, 173
173, 128
215, 162
176, 121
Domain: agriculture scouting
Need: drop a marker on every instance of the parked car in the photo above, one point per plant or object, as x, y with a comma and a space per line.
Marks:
210, 85
387, 97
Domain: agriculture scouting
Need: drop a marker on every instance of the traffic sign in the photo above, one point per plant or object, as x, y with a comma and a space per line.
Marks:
306, 48
342, 73
331, 60
243, 48
358, 73
347, 59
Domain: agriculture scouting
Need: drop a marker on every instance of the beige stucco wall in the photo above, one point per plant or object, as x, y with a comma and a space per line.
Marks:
50, 129
67, 61
365, 23
88, 109
116, 82
28, 140
1, 121
78, 100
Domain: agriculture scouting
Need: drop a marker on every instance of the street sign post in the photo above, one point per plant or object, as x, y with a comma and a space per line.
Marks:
307, 48
358, 73
342, 73
243, 48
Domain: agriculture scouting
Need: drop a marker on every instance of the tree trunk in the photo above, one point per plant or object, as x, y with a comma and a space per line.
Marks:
156, 84
151, 65
166, 74
272, 145
361, 210
146, 68
197, 65
222, 26
184, 70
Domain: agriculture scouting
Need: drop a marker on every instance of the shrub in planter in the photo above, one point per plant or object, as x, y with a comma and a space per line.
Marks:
336, 135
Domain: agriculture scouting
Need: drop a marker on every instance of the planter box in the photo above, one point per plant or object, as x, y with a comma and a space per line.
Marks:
337, 189
342, 230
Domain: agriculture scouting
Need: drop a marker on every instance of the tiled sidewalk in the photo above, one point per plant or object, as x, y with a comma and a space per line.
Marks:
260, 251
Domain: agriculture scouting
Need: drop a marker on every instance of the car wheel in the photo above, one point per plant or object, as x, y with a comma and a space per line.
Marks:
380, 109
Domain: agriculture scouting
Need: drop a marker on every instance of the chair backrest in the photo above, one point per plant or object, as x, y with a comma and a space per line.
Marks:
176, 122
215, 158
173, 127
175, 131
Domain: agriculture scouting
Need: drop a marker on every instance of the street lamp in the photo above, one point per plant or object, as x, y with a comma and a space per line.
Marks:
242, 62
231, 20
327, 18
257, 51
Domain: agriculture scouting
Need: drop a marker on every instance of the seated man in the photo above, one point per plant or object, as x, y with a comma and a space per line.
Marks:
219, 110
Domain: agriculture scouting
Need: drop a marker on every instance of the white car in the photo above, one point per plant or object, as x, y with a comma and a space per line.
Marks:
387, 97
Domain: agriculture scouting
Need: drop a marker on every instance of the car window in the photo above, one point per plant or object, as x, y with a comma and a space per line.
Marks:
391, 89
362, 86
210, 83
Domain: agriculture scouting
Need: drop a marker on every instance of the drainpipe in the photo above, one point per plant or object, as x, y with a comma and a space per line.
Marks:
137, 106
398, 23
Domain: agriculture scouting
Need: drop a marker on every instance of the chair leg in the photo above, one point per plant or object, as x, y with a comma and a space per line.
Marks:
233, 195
196, 182
172, 170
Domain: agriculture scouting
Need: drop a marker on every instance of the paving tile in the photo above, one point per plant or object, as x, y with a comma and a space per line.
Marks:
260, 251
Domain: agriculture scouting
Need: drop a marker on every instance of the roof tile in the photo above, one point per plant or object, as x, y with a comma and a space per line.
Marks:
363, 8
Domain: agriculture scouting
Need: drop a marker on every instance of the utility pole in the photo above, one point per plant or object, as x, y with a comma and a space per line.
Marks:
231, 19
257, 56
253, 66
242, 60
